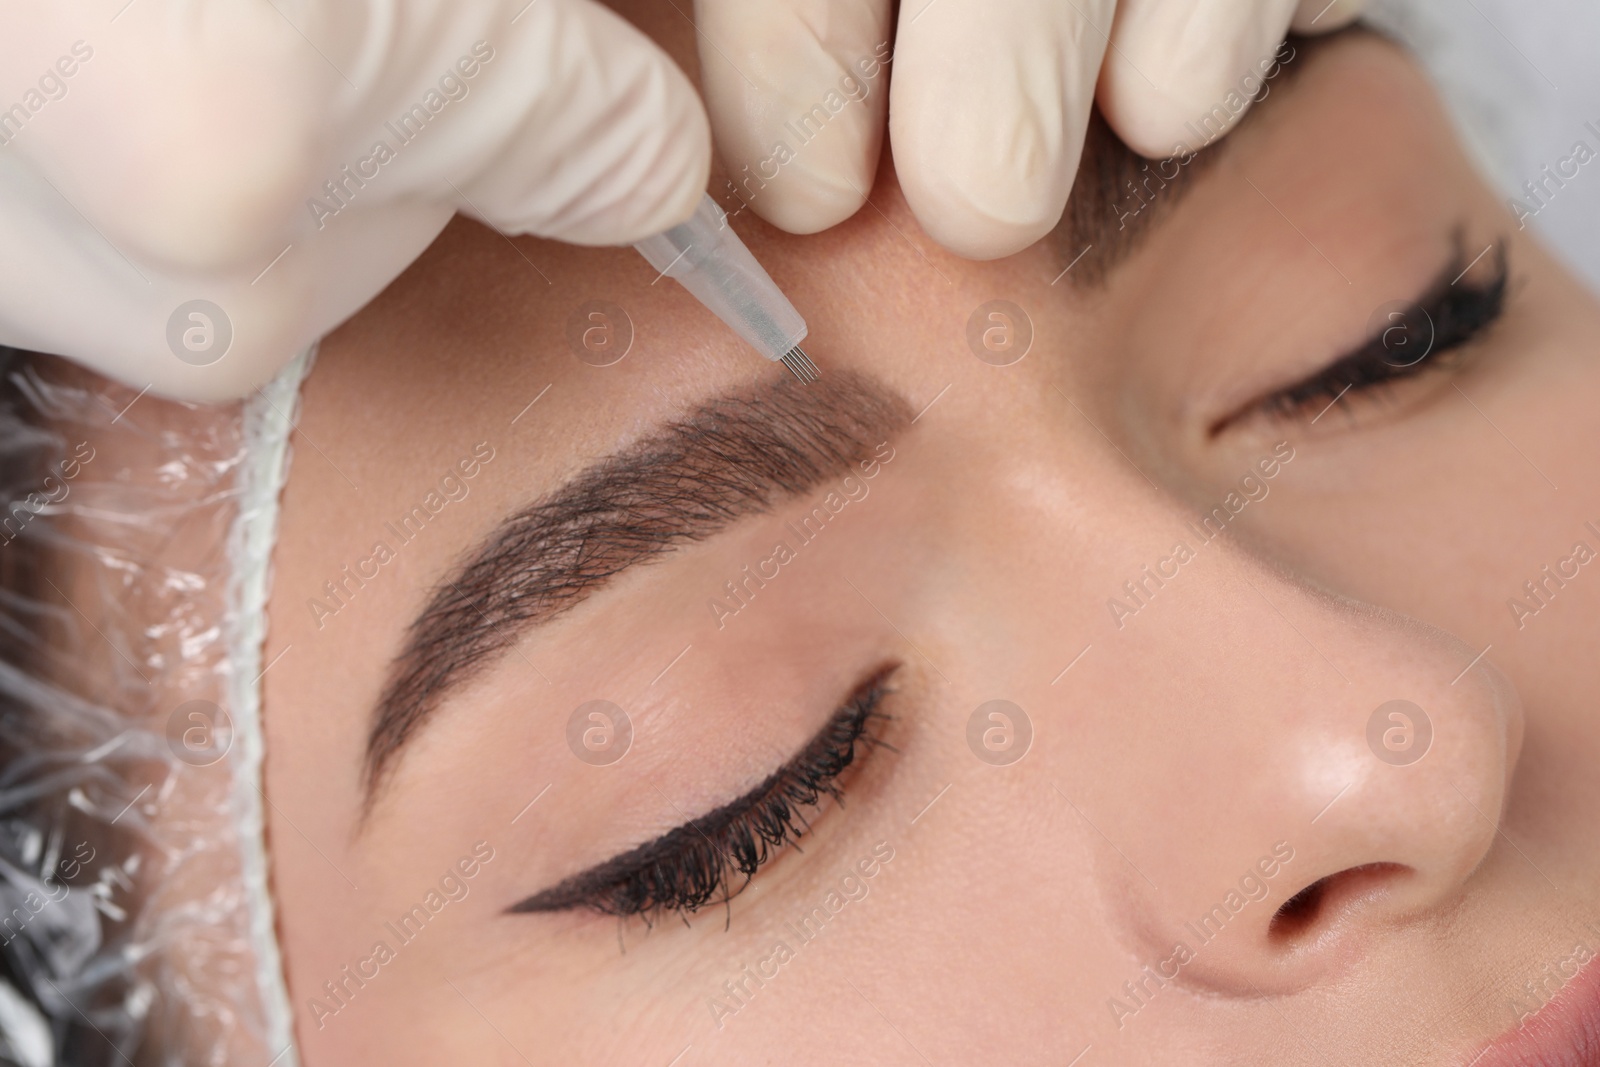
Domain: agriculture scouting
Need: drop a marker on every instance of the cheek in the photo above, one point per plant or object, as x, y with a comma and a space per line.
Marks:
1451, 549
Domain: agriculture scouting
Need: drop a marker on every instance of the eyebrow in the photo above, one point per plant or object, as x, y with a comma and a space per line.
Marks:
731, 457
1120, 197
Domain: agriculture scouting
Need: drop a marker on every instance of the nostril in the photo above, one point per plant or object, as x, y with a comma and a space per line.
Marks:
1299, 912
1317, 903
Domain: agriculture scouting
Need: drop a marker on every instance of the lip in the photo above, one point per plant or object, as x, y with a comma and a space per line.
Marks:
1563, 1033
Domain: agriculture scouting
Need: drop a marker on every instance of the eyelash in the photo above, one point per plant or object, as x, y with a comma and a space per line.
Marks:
701, 861
1460, 313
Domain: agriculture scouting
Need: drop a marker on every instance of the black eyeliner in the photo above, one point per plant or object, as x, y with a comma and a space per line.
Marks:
699, 862
1455, 311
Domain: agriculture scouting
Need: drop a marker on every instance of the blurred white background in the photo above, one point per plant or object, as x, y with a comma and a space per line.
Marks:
1522, 78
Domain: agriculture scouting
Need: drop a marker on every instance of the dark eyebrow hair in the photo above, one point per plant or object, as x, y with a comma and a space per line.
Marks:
1119, 196
733, 456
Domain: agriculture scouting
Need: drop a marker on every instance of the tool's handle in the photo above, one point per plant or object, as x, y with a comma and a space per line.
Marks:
709, 260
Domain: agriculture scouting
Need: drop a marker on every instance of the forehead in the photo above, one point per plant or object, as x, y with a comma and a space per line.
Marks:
483, 322
479, 349
481, 316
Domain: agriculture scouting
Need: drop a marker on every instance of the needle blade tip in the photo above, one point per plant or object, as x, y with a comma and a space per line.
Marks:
800, 365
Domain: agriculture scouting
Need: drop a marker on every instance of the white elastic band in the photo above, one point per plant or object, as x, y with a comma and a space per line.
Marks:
269, 418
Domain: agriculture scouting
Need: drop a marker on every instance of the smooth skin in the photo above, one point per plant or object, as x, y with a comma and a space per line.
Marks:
1227, 717
174, 153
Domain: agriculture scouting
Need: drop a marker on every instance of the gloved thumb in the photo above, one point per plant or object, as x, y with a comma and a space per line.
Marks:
550, 117
1181, 73
600, 139
798, 95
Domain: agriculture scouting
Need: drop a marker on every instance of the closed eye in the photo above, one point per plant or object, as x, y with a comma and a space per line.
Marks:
714, 857
1428, 335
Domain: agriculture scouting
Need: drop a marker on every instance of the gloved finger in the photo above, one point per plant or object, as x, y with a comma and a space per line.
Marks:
205, 337
596, 138
986, 159
1325, 16
572, 124
284, 172
1180, 73
188, 142
797, 92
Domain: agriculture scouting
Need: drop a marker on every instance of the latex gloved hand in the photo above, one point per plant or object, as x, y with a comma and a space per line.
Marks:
282, 162
987, 104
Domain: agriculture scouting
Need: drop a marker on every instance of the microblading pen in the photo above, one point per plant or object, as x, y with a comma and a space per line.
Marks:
708, 259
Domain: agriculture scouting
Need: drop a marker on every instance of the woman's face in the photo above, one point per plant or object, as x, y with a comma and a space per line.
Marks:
1089, 660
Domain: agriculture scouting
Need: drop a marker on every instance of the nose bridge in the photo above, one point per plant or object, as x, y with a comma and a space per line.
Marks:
1292, 746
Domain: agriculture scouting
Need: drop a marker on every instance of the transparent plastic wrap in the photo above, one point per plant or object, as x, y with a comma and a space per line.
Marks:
135, 923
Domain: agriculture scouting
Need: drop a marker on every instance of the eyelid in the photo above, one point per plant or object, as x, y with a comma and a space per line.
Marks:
698, 861
1456, 312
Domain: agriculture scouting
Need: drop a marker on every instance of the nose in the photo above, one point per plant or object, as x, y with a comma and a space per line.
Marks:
1308, 773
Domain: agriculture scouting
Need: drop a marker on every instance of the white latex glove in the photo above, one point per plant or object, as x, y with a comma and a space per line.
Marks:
158, 152
987, 105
